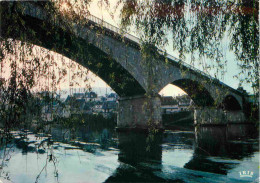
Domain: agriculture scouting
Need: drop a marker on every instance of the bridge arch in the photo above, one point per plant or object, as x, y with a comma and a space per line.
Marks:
230, 103
66, 43
117, 61
197, 92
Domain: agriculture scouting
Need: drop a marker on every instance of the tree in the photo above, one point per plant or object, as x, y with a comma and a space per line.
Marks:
196, 27
202, 28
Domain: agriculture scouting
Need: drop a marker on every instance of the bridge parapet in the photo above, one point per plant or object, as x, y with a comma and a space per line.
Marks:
32, 9
38, 12
129, 59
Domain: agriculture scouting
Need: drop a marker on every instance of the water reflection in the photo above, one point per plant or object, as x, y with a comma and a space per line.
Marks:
220, 149
216, 154
138, 157
207, 154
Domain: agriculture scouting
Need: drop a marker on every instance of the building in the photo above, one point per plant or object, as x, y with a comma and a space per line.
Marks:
90, 96
180, 103
112, 97
169, 105
79, 95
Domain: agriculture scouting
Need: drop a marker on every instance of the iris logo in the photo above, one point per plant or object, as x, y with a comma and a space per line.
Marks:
246, 174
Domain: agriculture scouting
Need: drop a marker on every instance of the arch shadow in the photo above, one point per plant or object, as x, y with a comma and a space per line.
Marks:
230, 103
197, 92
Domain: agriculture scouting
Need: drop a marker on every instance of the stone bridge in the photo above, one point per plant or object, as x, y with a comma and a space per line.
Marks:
117, 59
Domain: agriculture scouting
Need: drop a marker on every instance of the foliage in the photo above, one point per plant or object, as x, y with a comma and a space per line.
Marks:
95, 121
198, 29
27, 69
204, 28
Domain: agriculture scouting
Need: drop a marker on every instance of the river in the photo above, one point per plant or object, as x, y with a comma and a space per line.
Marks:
204, 154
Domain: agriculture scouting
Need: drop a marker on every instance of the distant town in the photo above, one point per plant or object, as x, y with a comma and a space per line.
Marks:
106, 105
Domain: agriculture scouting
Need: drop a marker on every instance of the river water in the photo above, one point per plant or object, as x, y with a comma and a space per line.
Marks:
204, 154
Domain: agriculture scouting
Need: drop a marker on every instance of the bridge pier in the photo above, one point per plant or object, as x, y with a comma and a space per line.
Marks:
139, 112
215, 116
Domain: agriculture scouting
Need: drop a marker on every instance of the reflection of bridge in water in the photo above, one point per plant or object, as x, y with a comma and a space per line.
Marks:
117, 60
211, 154
215, 154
